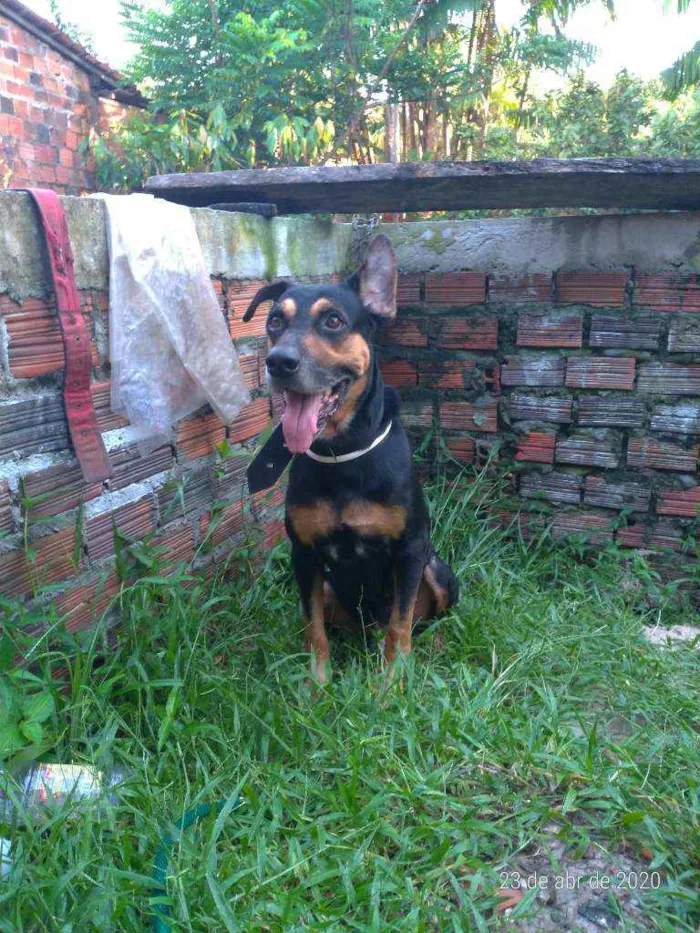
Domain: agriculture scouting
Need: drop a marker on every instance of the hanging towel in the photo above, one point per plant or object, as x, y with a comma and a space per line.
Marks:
170, 347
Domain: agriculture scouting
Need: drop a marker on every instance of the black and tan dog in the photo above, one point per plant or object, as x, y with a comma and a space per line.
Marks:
355, 512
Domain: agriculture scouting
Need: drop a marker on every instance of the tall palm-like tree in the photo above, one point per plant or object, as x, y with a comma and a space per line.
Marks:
685, 71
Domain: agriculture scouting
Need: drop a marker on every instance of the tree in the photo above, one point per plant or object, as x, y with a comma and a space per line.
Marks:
685, 71
312, 80
68, 27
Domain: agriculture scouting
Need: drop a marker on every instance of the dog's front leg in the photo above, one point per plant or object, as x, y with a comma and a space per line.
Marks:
310, 583
407, 579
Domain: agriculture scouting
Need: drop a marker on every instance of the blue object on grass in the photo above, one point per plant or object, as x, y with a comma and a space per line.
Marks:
161, 913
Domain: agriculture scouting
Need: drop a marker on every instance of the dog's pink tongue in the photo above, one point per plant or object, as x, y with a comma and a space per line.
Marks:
300, 420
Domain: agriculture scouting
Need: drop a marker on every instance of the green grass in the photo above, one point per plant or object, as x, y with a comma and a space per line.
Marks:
536, 700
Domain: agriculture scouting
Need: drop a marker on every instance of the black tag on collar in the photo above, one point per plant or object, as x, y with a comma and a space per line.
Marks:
270, 463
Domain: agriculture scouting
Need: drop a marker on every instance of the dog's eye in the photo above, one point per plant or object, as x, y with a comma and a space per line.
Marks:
275, 324
333, 321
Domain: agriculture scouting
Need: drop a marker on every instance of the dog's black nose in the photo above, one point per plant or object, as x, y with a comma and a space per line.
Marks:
283, 361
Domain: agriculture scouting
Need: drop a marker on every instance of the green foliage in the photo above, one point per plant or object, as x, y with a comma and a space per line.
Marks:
676, 127
146, 145
305, 81
73, 31
26, 703
683, 73
587, 122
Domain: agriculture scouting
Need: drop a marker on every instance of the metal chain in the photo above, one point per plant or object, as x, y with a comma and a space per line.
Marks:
363, 227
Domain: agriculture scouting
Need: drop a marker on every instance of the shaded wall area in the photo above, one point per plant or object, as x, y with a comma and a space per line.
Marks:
567, 348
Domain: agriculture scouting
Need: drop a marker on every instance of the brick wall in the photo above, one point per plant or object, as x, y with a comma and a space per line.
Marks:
582, 381
47, 109
60, 537
585, 385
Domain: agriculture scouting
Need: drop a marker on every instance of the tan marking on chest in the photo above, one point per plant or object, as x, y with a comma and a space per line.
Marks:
370, 519
313, 521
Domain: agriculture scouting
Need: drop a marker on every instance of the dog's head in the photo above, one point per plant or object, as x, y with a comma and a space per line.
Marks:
321, 344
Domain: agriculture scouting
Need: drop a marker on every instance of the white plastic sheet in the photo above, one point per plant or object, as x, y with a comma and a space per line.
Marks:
169, 344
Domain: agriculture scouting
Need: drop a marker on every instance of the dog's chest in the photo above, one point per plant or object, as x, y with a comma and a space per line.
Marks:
358, 524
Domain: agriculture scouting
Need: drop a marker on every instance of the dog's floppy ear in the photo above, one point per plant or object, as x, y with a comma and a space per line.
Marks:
375, 280
267, 293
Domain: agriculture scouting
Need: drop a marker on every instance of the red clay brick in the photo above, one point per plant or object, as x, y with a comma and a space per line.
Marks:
417, 414
228, 523
82, 606
56, 489
552, 487
634, 535
461, 416
7, 525
656, 455
130, 466
533, 371
177, 542
253, 368
462, 448
554, 409
676, 419
597, 289
132, 521
642, 332
669, 378
627, 495
107, 420
663, 292
665, 536
408, 291
405, 332
599, 372
548, 330
238, 297
684, 502
268, 499
684, 335
36, 343
53, 561
520, 289
594, 528
528, 524
200, 435
588, 450
274, 532
455, 288
468, 332
251, 420
536, 447
448, 374
611, 411
400, 373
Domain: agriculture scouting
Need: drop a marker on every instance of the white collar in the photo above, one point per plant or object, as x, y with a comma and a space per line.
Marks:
343, 458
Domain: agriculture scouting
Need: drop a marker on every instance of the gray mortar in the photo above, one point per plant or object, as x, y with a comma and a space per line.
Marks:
668, 242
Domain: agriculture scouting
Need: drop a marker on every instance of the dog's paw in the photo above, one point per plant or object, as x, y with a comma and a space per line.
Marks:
320, 672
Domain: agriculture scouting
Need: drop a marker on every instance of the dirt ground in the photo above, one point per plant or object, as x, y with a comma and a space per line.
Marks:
584, 895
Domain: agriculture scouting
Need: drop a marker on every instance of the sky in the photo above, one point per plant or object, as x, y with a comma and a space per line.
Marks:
641, 39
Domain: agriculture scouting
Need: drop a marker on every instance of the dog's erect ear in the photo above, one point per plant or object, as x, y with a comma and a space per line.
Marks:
375, 280
267, 293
